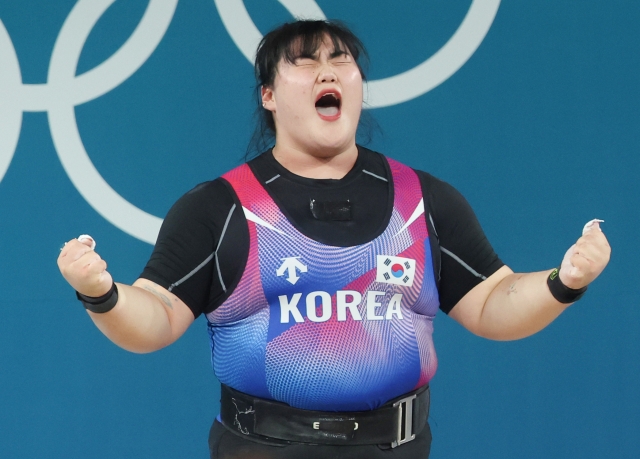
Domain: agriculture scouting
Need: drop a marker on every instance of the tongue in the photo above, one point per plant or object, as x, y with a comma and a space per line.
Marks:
327, 111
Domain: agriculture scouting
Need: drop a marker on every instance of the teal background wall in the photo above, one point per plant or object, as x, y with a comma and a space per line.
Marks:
539, 129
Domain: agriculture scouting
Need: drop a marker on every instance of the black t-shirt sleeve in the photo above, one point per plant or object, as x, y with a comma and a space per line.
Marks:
184, 257
466, 256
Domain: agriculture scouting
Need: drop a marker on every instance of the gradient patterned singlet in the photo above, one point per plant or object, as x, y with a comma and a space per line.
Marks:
323, 327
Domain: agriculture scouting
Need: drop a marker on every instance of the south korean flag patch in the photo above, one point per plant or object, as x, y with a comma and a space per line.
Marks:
395, 270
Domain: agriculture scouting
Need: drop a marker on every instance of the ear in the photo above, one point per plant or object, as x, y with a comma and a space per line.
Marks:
268, 98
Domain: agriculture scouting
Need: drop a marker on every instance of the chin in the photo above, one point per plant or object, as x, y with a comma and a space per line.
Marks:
330, 149
336, 137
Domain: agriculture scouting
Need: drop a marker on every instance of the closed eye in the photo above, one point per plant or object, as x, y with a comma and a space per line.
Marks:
305, 60
341, 57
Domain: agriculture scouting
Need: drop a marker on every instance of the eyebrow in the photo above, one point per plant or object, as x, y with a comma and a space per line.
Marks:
338, 53
333, 55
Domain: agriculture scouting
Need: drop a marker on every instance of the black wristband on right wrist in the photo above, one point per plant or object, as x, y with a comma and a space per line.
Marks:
101, 304
561, 292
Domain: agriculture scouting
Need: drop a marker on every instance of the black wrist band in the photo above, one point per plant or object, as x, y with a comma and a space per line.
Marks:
101, 304
561, 292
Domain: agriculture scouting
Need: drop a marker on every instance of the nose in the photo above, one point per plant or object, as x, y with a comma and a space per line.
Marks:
327, 74
328, 78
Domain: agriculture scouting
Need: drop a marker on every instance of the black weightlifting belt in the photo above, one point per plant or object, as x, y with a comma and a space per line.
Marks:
395, 423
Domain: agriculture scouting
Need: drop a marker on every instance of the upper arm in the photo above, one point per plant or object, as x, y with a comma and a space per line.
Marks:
466, 256
178, 313
468, 311
204, 222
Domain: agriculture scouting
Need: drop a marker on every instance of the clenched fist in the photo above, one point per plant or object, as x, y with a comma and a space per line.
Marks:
83, 268
585, 260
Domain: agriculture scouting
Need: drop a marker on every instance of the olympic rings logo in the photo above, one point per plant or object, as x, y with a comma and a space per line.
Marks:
64, 90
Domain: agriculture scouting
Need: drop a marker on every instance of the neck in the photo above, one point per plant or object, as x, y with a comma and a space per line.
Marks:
316, 165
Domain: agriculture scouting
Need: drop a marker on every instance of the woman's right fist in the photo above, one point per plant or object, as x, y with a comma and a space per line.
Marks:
83, 268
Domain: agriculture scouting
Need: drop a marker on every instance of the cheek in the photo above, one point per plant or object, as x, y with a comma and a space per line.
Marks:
354, 85
355, 100
294, 93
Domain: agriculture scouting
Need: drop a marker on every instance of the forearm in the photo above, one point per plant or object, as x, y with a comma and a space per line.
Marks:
518, 306
508, 306
141, 320
145, 318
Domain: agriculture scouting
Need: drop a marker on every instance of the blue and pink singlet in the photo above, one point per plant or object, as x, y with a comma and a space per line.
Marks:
323, 327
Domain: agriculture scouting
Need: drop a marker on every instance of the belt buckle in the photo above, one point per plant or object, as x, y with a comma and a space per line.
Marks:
404, 405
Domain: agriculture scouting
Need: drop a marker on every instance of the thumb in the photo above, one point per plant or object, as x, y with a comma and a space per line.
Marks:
591, 225
87, 240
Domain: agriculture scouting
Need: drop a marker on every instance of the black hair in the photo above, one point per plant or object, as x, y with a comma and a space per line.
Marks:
289, 42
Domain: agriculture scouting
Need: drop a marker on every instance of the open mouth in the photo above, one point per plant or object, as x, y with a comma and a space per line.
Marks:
328, 105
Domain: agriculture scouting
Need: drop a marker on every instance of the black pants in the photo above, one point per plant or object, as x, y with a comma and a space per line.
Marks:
226, 444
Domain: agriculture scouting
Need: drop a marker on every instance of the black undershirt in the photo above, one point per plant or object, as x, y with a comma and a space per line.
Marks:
191, 231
